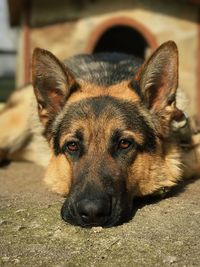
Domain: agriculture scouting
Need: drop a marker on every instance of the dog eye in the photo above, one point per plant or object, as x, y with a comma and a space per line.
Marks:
72, 146
124, 144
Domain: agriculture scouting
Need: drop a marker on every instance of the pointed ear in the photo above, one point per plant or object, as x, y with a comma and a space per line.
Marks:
53, 83
158, 78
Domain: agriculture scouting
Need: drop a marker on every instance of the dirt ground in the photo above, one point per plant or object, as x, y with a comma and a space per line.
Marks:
162, 233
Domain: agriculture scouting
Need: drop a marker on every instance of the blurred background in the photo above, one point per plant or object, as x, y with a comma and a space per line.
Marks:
68, 27
8, 50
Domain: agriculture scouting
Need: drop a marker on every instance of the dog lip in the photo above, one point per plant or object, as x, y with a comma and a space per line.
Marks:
109, 222
67, 212
115, 217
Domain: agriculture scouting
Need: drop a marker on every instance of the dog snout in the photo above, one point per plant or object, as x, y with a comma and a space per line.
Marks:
94, 211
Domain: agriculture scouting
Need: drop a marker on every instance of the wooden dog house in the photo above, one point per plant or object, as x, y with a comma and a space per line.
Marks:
136, 27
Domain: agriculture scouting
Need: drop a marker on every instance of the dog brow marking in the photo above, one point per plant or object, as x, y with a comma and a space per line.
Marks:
138, 137
121, 91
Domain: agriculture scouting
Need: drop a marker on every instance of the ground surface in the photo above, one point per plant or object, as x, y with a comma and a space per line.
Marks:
164, 233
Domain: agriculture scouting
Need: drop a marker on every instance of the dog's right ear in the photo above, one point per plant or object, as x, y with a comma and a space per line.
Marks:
53, 83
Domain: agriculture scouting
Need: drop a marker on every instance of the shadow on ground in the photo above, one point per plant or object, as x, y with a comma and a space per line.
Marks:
162, 233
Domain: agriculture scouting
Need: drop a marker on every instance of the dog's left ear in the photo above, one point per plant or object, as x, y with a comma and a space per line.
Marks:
158, 78
53, 83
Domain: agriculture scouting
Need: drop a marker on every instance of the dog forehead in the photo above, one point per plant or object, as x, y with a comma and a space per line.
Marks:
92, 112
103, 112
122, 91
102, 104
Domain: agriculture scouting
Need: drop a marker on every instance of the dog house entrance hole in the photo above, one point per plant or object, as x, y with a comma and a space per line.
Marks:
123, 39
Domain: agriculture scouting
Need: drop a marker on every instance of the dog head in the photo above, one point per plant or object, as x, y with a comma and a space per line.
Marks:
109, 144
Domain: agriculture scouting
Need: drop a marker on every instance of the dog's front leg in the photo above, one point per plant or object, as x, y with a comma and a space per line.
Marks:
14, 117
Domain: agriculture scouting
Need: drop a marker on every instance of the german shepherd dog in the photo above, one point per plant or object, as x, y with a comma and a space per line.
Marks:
109, 130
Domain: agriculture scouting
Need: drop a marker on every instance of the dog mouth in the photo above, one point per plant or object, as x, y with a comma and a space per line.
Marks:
116, 216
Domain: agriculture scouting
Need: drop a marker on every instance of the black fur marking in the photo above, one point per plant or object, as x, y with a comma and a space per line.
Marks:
135, 87
104, 69
56, 143
116, 135
74, 88
79, 135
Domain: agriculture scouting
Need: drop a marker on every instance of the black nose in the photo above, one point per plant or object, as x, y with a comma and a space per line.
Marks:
94, 212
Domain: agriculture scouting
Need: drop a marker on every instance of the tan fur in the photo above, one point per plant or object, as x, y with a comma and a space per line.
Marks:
90, 90
191, 158
20, 124
152, 172
58, 175
14, 119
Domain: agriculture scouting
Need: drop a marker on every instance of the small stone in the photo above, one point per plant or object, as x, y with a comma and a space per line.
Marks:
178, 243
170, 259
20, 227
16, 261
196, 212
34, 225
4, 222
57, 233
103, 257
20, 210
97, 229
